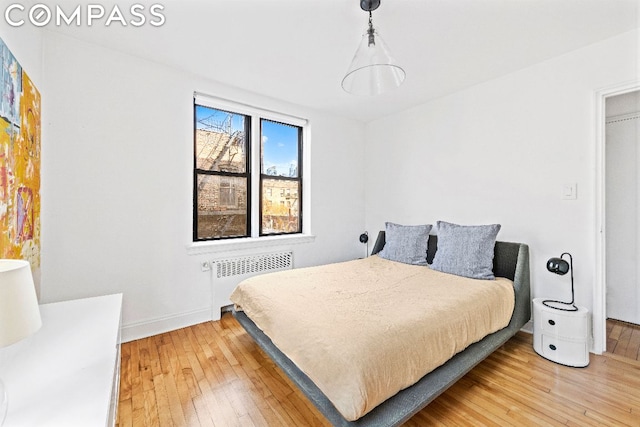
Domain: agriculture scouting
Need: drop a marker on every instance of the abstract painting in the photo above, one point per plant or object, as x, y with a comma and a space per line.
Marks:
19, 162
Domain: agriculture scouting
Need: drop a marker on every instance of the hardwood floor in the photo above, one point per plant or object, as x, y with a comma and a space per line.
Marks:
213, 374
623, 339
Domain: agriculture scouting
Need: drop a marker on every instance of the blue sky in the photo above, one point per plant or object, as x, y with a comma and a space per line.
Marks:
280, 145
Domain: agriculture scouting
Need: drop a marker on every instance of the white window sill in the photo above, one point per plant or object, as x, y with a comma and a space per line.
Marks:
217, 246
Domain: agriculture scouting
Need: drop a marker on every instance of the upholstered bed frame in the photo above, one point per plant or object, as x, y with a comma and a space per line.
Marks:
511, 260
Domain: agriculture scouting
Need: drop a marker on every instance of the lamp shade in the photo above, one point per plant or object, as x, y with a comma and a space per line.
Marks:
558, 266
19, 311
372, 70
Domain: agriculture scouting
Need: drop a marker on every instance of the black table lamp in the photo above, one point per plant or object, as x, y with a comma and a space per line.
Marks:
561, 267
364, 238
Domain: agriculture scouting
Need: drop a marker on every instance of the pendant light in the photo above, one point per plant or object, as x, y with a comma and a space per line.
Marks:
373, 70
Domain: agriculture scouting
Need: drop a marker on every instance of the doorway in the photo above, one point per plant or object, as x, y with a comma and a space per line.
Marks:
622, 206
602, 242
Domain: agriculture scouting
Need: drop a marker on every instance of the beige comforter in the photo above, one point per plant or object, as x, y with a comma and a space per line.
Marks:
363, 330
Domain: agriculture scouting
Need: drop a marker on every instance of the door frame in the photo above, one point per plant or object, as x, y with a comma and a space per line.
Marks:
600, 284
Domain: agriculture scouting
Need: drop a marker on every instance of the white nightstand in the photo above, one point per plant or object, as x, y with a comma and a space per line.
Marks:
561, 336
67, 373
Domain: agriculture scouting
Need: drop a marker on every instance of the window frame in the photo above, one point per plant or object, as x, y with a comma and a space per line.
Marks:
254, 173
283, 192
246, 175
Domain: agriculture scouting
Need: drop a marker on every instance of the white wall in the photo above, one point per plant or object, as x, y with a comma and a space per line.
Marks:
500, 152
117, 207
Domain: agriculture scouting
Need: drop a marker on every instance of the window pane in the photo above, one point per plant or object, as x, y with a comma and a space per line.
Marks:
280, 206
280, 144
220, 140
222, 206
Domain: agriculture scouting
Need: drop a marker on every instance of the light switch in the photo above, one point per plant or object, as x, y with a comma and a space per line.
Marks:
570, 191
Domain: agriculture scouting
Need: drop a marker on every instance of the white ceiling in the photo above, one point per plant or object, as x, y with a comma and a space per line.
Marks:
298, 50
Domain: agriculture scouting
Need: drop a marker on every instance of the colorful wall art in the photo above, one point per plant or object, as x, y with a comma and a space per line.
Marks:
19, 162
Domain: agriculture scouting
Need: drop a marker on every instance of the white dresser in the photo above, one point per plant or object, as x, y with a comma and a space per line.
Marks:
561, 336
67, 373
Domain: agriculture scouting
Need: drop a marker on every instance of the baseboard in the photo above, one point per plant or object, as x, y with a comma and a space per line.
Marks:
150, 327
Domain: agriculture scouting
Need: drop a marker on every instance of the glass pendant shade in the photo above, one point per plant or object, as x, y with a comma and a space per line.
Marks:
373, 70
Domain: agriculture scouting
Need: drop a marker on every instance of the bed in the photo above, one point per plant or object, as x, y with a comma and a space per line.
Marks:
510, 261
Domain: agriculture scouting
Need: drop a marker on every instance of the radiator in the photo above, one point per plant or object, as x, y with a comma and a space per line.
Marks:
228, 272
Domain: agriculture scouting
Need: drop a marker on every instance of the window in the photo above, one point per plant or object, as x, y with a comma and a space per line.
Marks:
222, 180
247, 172
280, 158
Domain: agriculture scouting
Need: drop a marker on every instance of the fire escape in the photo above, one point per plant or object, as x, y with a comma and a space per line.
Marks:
220, 148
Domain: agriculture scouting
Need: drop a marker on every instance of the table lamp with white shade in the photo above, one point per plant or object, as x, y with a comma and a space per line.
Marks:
19, 311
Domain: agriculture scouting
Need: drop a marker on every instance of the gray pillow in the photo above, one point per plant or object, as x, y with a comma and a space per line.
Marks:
466, 250
406, 243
